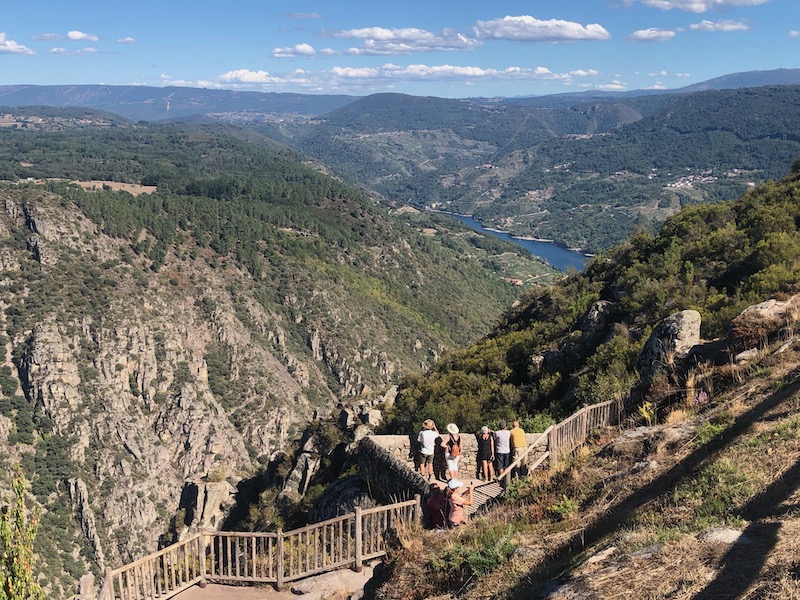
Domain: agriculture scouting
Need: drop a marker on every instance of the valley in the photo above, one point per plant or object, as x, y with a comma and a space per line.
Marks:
201, 316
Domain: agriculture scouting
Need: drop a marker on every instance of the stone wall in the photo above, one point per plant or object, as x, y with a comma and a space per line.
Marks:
387, 472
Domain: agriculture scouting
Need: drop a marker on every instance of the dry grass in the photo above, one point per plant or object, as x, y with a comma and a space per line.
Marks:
646, 501
677, 415
131, 188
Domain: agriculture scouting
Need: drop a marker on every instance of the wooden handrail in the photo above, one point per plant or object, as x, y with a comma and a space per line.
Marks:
585, 419
260, 557
165, 578
518, 461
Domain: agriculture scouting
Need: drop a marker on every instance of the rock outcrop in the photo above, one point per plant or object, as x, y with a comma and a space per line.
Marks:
147, 381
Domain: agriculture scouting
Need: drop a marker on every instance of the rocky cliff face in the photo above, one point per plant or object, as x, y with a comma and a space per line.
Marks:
122, 385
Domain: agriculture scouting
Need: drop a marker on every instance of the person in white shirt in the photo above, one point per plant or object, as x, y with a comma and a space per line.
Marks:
502, 447
427, 445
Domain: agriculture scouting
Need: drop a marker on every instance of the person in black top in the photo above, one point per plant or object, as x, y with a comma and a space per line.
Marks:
486, 453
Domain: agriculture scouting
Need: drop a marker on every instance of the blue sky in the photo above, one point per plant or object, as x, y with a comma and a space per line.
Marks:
434, 47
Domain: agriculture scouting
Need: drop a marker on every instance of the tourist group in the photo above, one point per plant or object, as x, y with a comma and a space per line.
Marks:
447, 508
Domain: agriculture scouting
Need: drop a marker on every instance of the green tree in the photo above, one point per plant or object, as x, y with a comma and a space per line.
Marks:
17, 532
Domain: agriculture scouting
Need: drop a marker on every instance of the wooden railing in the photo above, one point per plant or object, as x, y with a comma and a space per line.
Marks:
159, 575
559, 440
229, 556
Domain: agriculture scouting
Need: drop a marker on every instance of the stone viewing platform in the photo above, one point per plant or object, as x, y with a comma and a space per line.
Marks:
389, 463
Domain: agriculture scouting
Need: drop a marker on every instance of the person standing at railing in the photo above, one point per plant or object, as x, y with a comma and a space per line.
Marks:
452, 450
502, 447
520, 444
427, 444
486, 453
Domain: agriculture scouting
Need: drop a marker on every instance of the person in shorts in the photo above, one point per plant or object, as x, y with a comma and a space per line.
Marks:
427, 445
502, 447
452, 450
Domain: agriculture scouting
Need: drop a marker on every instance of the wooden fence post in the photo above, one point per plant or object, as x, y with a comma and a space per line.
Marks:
358, 567
584, 428
418, 509
201, 556
552, 447
279, 572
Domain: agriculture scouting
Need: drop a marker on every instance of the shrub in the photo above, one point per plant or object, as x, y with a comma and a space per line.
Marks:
564, 508
17, 534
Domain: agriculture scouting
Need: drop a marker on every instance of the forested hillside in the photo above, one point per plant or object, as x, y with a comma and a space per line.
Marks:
163, 342
583, 171
692, 494
577, 342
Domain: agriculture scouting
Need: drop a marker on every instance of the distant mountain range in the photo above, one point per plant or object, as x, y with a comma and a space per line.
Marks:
147, 103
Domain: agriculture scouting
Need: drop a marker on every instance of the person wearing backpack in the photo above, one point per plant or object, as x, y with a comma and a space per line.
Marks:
452, 450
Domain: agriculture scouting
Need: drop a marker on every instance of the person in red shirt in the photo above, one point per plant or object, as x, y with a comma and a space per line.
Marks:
438, 507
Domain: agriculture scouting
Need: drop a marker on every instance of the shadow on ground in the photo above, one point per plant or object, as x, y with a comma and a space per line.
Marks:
741, 565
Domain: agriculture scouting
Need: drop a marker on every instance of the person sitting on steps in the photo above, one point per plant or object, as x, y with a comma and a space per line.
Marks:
460, 496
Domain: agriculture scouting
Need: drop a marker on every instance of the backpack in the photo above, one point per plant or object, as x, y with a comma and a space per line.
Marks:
455, 446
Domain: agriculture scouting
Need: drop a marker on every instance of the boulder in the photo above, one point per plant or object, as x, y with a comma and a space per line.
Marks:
672, 338
761, 323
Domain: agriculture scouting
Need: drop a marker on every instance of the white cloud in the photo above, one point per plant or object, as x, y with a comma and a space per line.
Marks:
74, 52
356, 72
612, 86
723, 25
700, 6
246, 76
186, 83
299, 15
126, 40
48, 37
81, 36
380, 41
529, 29
584, 73
360, 80
12, 47
294, 51
794, 34
668, 74
439, 72
651, 35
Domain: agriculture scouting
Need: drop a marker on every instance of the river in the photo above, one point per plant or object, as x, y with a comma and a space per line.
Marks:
557, 256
